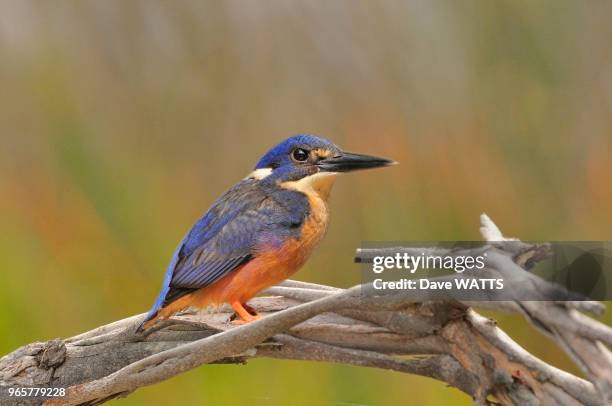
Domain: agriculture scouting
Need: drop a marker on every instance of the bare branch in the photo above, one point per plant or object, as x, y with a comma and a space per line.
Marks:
580, 336
444, 340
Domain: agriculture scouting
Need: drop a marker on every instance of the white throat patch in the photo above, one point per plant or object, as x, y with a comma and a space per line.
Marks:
319, 183
260, 174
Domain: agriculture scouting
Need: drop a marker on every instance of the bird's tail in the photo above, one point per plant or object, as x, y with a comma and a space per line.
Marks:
156, 315
198, 299
149, 320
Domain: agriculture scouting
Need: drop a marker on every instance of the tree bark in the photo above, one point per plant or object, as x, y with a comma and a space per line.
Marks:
446, 340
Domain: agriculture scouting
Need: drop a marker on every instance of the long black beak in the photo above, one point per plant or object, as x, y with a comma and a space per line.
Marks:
346, 161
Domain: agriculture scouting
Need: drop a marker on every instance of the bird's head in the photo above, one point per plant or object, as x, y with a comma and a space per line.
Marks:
309, 163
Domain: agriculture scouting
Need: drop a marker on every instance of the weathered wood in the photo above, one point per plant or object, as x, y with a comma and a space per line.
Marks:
447, 341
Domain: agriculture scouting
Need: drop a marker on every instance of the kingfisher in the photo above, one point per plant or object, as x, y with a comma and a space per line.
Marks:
259, 232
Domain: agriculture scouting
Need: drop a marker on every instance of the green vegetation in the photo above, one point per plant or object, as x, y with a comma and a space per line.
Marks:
121, 122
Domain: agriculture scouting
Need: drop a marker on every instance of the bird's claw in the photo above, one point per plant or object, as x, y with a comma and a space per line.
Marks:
241, 321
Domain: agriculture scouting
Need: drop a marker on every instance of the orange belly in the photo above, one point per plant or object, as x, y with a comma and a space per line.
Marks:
266, 269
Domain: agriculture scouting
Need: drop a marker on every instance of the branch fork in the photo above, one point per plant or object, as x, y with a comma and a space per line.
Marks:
446, 340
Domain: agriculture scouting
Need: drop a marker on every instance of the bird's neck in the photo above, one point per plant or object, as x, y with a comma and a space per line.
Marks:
317, 185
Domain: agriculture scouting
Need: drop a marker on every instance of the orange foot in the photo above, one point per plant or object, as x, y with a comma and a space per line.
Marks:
245, 316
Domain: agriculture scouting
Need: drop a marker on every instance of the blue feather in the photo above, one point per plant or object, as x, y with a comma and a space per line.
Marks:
279, 155
249, 215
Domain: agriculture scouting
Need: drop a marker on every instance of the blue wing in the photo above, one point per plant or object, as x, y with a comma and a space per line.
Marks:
228, 236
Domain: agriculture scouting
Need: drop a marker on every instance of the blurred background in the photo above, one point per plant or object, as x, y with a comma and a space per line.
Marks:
121, 122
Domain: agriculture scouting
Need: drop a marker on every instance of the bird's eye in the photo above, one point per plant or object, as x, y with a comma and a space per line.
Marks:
300, 154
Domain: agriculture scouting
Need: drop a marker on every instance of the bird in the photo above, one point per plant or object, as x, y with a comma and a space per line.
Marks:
259, 232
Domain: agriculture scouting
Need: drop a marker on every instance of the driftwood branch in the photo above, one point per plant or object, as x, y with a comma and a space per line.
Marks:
444, 340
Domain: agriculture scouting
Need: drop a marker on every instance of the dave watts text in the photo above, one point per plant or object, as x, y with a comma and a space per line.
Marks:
432, 284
